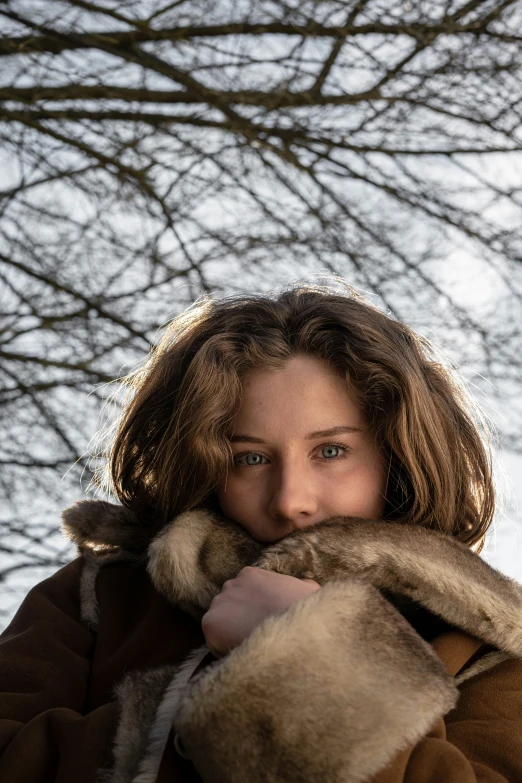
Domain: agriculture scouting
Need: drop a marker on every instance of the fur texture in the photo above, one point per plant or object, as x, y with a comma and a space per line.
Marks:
318, 676
482, 665
341, 670
433, 569
102, 526
160, 729
139, 694
92, 564
191, 559
88, 599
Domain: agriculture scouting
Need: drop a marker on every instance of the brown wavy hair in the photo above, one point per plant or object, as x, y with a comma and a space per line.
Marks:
171, 446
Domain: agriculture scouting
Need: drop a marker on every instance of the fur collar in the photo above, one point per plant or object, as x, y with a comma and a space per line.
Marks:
247, 716
424, 573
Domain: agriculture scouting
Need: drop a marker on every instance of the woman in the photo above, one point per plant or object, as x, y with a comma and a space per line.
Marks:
290, 589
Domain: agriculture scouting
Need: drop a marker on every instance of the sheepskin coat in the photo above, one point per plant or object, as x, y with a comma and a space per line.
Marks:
405, 667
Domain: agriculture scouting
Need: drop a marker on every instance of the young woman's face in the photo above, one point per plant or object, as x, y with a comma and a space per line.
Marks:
302, 453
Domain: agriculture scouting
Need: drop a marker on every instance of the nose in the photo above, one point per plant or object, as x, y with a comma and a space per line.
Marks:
293, 497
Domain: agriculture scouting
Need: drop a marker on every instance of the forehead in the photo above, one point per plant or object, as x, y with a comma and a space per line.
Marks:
302, 366
305, 393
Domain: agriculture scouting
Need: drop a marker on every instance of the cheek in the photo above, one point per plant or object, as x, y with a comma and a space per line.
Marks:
364, 490
375, 490
235, 497
244, 508
376, 511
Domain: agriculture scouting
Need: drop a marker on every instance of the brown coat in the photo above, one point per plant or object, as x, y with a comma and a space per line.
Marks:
404, 668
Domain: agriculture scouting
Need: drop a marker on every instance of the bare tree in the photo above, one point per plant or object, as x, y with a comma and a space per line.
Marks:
153, 151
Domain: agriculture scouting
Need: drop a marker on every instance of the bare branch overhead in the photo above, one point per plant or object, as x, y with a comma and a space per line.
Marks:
153, 151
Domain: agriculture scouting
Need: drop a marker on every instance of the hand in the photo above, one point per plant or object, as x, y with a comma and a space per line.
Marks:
246, 601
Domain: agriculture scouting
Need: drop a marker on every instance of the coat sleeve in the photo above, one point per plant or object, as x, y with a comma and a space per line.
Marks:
340, 687
45, 660
480, 741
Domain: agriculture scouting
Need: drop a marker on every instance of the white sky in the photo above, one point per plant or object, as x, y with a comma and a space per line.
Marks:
504, 546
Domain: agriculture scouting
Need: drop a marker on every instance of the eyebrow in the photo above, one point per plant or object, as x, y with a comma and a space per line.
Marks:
341, 430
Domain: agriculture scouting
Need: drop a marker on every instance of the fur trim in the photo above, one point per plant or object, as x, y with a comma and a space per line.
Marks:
149, 700
367, 684
193, 556
160, 730
92, 564
436, 571
483, 665
373, 687
140, 694
88, 599
101, 526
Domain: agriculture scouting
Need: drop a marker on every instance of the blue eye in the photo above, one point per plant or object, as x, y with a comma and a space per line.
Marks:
256, 459
330, 452
330, 449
